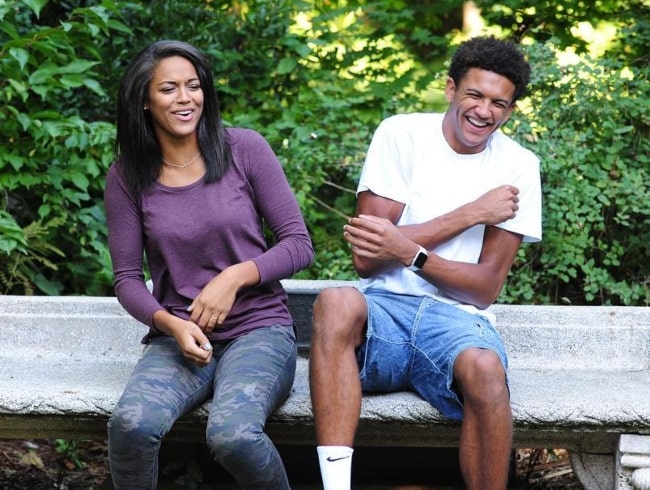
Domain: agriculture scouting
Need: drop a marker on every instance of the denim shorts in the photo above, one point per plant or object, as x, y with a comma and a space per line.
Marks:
412, 343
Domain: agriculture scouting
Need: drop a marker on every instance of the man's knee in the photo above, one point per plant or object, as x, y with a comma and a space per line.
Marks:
480, 375
339, 313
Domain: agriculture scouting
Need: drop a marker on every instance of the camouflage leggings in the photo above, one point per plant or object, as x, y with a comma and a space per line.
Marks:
248, 378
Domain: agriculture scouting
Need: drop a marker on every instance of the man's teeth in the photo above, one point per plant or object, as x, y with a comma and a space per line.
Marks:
476, 122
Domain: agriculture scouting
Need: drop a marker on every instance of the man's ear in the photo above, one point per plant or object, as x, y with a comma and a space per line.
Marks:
450, 89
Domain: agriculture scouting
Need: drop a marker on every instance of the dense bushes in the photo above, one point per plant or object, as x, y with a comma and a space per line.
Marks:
589, 124
315, 78
54, 154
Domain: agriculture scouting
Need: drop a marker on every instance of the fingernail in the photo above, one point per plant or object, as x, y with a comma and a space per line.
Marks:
207, 346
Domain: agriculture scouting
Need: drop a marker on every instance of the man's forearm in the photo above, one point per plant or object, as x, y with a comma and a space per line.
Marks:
441, 229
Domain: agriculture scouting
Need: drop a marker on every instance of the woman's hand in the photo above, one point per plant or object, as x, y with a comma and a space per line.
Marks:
193, 343
191, 340
211, 306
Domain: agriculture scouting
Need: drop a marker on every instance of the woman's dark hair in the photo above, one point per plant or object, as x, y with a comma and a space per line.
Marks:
489, 53
138, 153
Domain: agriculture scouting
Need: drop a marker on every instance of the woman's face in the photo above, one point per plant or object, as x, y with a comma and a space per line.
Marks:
175, 99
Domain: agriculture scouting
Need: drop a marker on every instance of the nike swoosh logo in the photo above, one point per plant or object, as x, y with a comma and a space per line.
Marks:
331, 459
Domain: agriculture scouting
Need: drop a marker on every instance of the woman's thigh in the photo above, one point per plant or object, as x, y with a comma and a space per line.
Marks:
254, 376
163, 386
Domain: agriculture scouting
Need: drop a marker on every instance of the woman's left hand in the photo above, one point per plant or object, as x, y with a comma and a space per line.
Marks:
212, 305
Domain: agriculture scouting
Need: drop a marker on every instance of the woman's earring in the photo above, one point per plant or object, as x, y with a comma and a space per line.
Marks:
145, 108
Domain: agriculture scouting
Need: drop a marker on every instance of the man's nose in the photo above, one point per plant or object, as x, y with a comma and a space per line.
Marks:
483, 108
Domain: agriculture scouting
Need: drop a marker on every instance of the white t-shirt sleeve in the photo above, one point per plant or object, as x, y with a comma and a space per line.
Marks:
387, 168
524, 175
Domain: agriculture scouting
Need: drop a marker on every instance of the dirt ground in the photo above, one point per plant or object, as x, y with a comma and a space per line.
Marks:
48, 465
63, 465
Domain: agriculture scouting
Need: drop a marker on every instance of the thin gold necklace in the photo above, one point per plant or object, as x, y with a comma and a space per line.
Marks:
182, 165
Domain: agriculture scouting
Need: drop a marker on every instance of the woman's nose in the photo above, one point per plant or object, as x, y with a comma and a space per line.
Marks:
183, 95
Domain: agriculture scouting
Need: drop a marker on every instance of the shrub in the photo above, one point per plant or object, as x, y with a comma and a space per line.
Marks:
588, 122
54, 164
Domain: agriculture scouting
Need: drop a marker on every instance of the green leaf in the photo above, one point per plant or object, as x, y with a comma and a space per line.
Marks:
43, 74
7, 27
94, 86
44, 211
36, 5
49, 287
80, 181
11, 235
78, 66
71, 80
20, 88
287, 65
20, 55
16, 161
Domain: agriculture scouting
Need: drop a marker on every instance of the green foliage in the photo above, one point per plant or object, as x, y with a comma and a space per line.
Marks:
315, 78
12, 237
69, 451
588, 121
559, 20
20, 269
53, 167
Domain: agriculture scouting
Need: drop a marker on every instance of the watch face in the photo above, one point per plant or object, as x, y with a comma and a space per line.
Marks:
420, 260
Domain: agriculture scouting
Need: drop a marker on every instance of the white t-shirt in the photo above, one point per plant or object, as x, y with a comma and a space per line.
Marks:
410, 161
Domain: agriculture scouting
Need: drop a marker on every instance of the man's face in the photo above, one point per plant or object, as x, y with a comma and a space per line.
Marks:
478, 106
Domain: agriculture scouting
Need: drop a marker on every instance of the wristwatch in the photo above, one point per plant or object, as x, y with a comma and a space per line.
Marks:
419, 260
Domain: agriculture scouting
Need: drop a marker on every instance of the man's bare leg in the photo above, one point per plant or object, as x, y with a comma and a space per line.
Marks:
486, 432
338, 324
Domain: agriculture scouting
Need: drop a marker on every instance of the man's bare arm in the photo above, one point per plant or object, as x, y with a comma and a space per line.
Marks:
476, 284
376, 249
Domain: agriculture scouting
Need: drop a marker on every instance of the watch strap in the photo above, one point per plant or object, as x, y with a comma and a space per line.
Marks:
418, 261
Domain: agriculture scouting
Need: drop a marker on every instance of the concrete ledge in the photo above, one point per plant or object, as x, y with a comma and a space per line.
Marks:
579, 376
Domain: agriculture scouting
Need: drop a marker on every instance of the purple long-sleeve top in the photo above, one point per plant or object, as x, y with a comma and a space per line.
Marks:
190, 234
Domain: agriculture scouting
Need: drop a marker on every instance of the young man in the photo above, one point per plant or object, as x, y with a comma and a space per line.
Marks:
444, 201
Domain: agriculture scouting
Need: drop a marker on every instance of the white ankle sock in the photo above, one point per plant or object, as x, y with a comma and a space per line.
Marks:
335, 466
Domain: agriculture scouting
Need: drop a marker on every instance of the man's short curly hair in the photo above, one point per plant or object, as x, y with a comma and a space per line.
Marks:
498, 56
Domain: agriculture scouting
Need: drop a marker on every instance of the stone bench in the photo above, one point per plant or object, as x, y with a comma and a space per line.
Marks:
580, 380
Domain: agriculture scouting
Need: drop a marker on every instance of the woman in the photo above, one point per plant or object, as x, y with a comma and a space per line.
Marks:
193, 198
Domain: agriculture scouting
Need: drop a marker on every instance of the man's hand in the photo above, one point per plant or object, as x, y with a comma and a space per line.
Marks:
497, 205
378, 239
